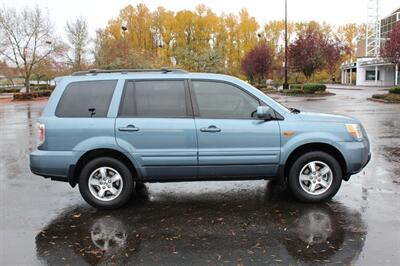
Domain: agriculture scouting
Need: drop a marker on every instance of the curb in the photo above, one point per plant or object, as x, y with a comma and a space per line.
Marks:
380, 101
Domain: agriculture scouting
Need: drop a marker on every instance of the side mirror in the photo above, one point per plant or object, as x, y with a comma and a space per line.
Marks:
264, 113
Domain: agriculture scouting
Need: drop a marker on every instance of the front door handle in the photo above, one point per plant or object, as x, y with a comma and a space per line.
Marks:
129, 128
210, 129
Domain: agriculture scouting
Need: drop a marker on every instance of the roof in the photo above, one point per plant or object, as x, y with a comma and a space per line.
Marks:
125, 71
144, 74
392, 13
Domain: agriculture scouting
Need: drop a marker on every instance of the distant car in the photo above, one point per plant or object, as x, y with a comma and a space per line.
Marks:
110, 130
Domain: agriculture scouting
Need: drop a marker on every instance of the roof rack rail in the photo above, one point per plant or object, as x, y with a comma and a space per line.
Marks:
124, 71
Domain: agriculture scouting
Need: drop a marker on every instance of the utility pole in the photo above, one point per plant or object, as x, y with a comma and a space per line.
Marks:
285, 84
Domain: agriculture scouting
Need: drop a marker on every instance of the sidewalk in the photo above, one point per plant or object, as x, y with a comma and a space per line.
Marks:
355, 88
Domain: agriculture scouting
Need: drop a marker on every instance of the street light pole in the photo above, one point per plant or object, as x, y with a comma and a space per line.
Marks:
285, 84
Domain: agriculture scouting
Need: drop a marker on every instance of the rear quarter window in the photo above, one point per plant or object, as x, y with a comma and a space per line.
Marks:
86, 99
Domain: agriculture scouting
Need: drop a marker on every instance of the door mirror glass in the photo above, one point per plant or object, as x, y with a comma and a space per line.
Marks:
264, 112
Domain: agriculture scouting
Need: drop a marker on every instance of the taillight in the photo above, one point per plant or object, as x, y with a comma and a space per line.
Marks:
41, 133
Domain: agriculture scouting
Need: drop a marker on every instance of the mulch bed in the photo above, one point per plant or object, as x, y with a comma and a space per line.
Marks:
10, 101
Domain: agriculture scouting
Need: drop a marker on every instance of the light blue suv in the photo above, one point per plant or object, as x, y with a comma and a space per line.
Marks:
109, 131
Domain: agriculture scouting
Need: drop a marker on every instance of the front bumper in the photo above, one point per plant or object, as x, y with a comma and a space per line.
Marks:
357, 155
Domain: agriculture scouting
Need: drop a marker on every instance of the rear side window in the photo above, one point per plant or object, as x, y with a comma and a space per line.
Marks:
86, 99
166, 98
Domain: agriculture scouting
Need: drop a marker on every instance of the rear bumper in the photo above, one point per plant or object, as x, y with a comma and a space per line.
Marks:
51, 164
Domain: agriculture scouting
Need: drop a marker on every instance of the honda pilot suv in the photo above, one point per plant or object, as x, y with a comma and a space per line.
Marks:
108, 131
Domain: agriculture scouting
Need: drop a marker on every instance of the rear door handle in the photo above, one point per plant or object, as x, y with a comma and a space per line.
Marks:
129, 128
210, 129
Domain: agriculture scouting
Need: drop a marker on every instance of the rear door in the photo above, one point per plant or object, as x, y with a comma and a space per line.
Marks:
231, 141
155, 124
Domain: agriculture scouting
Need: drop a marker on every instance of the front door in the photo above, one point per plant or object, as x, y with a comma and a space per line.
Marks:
155, 124
231, 141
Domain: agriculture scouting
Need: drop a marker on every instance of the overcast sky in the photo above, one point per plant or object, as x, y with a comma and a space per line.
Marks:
98, 12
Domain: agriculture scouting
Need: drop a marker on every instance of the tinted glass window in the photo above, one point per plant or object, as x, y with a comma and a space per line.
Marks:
370, 75
221, 100
128, 106
86, 99
154, 99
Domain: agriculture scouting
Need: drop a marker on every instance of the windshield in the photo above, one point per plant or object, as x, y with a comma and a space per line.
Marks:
286, 109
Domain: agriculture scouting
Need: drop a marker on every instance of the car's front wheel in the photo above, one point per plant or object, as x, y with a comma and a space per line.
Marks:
315, 177
106, 183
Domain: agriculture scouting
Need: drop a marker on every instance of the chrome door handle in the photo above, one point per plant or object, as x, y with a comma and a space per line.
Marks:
210, 129
129, 128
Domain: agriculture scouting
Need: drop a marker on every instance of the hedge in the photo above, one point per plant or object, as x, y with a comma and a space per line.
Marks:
9, 90
31, 95
395, 90
307, 88
312, 88
43, 87
294, 91
296, 86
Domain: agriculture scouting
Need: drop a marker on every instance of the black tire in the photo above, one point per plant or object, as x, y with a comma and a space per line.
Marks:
121, 168
140, 186
294, 182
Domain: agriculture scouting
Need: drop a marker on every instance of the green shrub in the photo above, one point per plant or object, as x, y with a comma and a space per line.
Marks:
293, 91
395, 90
312, 88
296, 86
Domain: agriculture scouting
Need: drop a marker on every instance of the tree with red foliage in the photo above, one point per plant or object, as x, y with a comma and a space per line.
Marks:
257, 64
391, 49
306, 54
334, 50
312, 51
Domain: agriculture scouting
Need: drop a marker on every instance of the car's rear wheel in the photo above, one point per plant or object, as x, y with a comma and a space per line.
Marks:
106, 183
315, 177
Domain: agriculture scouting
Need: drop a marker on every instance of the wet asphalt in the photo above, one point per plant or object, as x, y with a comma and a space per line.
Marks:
233, 223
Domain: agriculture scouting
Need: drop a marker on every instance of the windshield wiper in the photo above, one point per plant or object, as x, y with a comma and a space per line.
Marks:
294, 110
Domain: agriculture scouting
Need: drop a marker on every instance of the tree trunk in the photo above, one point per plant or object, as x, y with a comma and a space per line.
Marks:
27, 84
12, 82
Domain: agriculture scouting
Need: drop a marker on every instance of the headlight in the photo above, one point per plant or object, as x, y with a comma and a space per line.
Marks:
355, 131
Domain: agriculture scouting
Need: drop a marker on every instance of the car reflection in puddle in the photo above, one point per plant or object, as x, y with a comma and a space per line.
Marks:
234, 227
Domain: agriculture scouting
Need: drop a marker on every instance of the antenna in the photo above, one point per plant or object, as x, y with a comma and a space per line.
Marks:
373, 30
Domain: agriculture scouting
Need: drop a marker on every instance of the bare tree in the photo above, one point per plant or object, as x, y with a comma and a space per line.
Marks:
26, 39
78, 40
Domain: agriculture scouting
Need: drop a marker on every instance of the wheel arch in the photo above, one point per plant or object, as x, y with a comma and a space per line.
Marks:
76, 169
316, 146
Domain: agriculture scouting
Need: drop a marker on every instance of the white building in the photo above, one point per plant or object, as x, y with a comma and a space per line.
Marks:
370, 69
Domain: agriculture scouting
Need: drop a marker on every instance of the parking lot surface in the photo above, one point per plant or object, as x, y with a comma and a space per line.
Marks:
241, 222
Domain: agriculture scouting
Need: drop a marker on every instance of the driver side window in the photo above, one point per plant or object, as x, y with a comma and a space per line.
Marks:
222, 100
